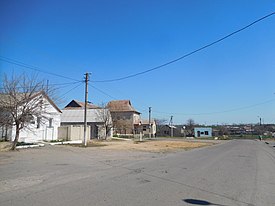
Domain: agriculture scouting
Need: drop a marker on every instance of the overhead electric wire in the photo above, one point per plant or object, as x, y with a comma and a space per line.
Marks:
112, 97
99, 90
196, 114
80, 83
21, 64
219, 112
61, 85
188, 54
66, 85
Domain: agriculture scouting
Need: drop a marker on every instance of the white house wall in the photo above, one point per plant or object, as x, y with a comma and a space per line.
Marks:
44, 132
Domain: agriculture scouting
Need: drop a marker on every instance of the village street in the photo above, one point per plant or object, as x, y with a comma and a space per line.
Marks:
237, 172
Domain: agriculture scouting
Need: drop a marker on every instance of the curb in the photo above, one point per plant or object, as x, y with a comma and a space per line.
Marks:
30, 146
67, 142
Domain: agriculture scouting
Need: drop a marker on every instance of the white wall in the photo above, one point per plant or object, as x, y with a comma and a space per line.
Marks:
33, 134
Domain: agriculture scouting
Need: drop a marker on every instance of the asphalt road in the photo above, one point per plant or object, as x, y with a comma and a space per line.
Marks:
238, 172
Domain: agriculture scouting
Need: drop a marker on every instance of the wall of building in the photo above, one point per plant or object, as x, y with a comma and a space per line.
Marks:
123, 122
76, 132
203, 132
38, 130
73, 132
145, 129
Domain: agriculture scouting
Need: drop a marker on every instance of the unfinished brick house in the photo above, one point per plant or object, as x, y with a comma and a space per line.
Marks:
124, 117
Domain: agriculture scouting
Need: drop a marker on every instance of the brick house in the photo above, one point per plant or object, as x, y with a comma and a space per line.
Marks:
124, 116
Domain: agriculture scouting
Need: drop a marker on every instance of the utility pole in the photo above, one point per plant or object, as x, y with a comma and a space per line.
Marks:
85, 109
171, 126
260, 121
150, 122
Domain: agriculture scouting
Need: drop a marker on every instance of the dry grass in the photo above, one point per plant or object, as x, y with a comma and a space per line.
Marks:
5, 146
154, 146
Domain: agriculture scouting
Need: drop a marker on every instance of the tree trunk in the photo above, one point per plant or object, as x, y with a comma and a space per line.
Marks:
16, 137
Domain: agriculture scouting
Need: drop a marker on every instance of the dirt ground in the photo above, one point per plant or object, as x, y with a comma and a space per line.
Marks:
5, 146
148, 145
152, 145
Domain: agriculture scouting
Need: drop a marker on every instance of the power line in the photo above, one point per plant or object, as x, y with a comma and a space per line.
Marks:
196, 114
188, 54
60, 97
219, 112
21, 64
61, 85
99, 90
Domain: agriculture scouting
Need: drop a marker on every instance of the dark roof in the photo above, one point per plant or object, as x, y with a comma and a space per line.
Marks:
121, 106
74, 104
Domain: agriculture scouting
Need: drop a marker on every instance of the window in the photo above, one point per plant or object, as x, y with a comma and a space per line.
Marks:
202, 132
206, 133
51, 122
38, 122
144, 128
30, 119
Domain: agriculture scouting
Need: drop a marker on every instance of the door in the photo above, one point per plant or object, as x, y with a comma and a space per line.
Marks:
94, 132
198, 133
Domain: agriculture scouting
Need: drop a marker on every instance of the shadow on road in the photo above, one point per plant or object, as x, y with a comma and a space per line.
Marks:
200, 202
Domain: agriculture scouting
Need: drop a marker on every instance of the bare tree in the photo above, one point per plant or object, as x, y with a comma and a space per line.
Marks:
20, 102
161, 121
104, 116
190, 124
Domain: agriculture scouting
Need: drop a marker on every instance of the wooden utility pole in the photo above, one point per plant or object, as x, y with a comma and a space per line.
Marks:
85, 109
150, 122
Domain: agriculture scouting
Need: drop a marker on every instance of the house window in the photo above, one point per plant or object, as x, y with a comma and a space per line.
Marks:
38, 122
30, 119
51, 122
202, 132
206, 133
144, 128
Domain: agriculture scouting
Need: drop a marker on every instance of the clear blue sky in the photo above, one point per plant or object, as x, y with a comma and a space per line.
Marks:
111, 39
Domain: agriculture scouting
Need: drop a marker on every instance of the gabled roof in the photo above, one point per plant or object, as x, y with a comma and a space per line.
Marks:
49, 100
121, 106
74, 104
7, 100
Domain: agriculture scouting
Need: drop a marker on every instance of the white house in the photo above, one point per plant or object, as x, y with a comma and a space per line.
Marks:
203, 132
41, 127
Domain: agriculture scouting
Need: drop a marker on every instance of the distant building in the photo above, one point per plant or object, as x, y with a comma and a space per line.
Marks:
124, 116
203, 131
165, 131
143, 126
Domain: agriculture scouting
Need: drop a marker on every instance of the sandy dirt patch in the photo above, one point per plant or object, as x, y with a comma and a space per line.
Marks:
153, 146
5, 146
